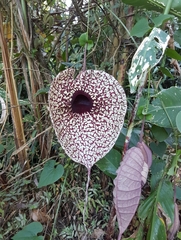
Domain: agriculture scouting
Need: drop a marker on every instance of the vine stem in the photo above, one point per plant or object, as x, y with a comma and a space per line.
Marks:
134, 110
86, 202
168, 6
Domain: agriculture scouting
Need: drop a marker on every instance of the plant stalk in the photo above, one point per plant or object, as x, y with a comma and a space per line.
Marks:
168, 6
15, 108
134, 110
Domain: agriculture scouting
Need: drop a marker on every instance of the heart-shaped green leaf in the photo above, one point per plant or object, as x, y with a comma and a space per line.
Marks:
159, 149
83, 39
158, 21
51, 173
29, 232
159, 133
140, 28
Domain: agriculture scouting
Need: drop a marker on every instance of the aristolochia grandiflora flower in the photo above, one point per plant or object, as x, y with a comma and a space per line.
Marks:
87, 113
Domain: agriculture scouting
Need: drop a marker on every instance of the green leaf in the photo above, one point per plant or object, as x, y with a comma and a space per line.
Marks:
178, 121
157, 231
157, 5
141, 113
24, 102
83, 39
29, 232
90, 44
174, 164
140, 28
177, 36
159, 133
173, 54
159, 148
146, 56
158, 21
146, 206
179, 235
140, 233
165, 71
178, 193
110, 163
142, 109
42, 91
3, 93
157, 170
158, 210
51, 173
166, 201
165, 107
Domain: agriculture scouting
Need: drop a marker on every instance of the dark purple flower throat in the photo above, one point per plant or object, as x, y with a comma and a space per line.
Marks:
81, 102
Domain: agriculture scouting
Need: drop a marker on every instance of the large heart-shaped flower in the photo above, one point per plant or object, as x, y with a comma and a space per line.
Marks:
87, 113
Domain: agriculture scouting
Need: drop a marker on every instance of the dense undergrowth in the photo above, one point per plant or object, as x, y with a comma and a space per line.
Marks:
42, 38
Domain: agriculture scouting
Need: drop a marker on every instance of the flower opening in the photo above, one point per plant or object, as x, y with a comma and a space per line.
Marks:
81, 102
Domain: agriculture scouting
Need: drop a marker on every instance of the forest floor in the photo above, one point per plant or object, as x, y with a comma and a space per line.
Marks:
22, 202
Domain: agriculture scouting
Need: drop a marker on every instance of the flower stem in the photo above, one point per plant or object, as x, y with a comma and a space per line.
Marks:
86, 202
84, 63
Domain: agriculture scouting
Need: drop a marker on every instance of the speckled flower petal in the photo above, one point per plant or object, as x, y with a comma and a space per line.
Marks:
87, 113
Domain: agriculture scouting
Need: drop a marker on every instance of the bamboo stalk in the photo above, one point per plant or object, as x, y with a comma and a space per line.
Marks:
35, 79
15, 109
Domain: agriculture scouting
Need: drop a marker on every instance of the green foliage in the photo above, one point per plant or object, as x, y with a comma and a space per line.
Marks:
148, 210
165, 107
157, 172
30, 232
179, 235
110, 163
165, 71
83, 40
161, 19
173, 54
158, 148
57, 42
178, 122
42, 90
174, 165
159, 133
157, 5
142, 25
51, 173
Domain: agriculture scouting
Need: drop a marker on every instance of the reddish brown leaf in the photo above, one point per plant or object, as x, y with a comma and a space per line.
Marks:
131, 175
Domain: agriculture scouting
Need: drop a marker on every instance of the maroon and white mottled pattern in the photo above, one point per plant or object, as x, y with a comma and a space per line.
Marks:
89, 136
